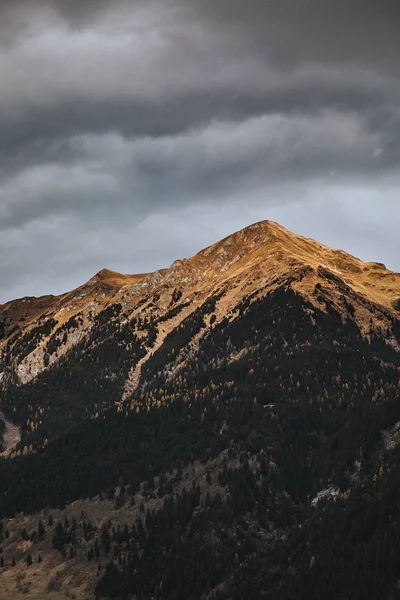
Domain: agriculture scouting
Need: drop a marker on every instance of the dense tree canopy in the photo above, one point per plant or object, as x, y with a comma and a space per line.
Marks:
291, 400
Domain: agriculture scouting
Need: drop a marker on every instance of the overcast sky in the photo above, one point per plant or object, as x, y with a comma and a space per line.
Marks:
133, 133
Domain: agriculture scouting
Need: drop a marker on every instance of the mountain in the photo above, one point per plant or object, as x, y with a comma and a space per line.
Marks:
256, 261
224, 428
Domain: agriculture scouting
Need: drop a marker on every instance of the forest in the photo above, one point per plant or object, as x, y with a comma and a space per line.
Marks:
293, 399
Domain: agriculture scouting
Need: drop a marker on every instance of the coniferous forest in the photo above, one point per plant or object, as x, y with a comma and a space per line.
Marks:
287, 409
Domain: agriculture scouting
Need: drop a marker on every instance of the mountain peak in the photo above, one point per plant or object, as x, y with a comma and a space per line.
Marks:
257, 233
106, 276
114, 278
249, 264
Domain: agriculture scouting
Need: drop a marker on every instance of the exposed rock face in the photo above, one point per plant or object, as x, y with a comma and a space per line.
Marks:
36, 332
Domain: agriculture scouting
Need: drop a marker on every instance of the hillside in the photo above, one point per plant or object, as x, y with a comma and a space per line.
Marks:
36, 332
224, 428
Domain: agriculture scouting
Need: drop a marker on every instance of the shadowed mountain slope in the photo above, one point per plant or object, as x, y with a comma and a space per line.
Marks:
224, 428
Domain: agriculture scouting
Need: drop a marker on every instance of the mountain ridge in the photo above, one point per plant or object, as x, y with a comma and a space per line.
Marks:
275, 233
254, 260
296, 245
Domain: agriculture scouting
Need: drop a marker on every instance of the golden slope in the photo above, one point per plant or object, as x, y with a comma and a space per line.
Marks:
25, 312
267, 243
255, 260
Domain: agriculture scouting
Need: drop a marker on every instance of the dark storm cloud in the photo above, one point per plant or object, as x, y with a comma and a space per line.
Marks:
214, 59
17, 17
311, 30
89, 173
117, 115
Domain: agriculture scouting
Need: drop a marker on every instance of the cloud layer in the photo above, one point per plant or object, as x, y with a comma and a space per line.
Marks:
135, 132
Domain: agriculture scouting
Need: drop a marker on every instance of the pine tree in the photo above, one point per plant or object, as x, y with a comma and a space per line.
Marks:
41, 531
105, 540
